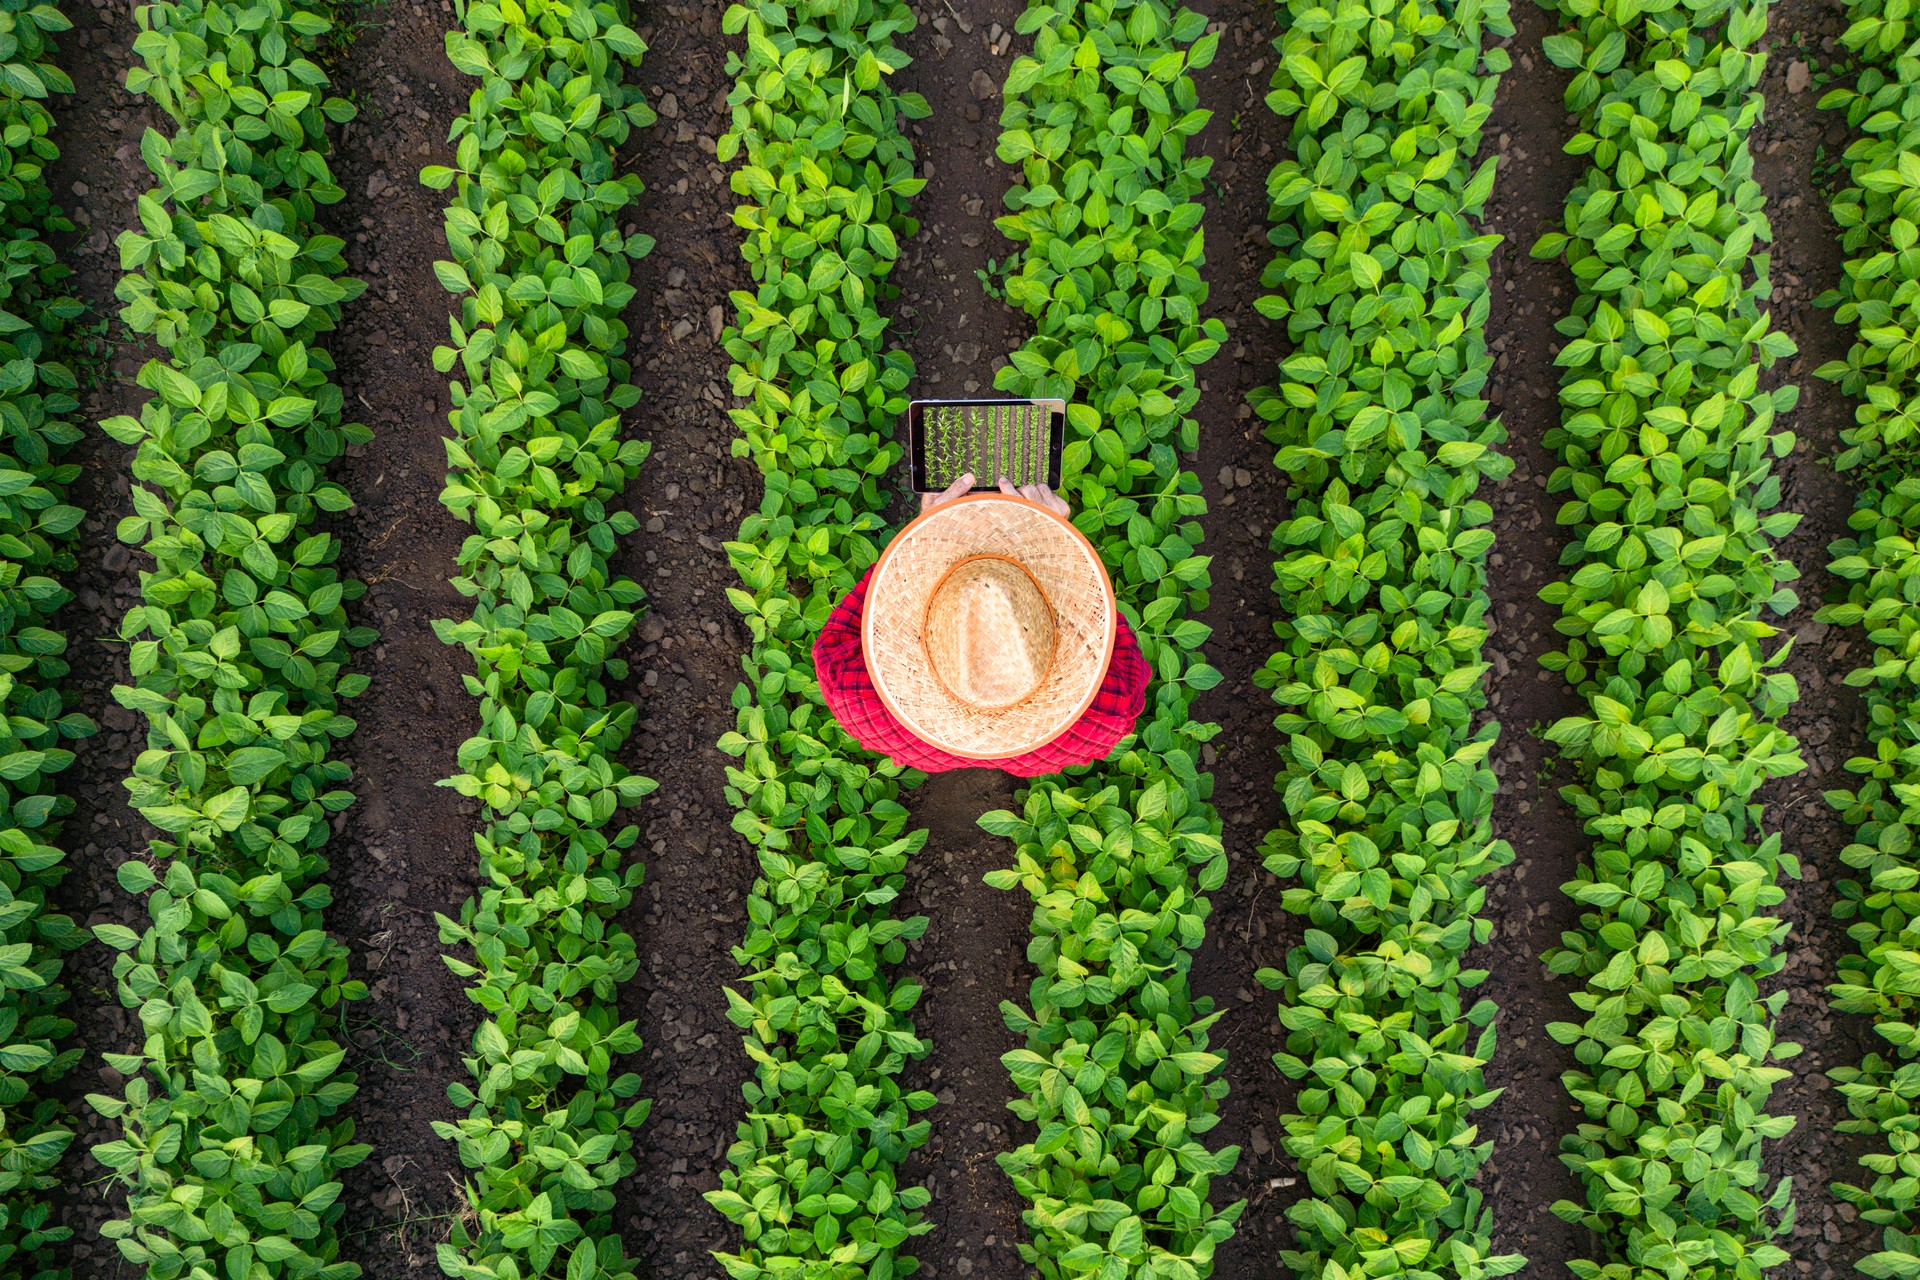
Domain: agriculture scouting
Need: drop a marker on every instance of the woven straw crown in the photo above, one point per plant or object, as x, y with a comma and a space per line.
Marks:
988, 627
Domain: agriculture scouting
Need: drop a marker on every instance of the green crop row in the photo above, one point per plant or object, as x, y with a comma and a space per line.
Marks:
824, 176
231, 1149
1119, 1084
1667, 444
1380, 417
36, 401
535, 459
1879, 214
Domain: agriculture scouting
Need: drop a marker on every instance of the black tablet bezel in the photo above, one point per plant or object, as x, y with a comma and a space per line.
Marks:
917, 437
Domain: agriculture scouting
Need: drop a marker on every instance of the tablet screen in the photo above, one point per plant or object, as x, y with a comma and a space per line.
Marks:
1020, 439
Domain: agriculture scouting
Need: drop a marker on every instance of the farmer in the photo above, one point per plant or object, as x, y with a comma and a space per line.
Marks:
985, 637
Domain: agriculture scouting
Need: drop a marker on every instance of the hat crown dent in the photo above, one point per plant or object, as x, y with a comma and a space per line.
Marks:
990, 633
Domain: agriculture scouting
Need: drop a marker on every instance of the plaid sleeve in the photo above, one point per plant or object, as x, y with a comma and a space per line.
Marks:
847, 687
1121, 698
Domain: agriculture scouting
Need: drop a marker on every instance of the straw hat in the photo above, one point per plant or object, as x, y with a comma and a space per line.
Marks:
988, 626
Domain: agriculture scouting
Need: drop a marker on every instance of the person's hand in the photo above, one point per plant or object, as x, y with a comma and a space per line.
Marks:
928, 501
1041, 494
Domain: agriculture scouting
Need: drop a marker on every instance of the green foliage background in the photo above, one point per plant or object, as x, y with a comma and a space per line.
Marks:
535, 458
232, 1143
36, 400
1381, 425
824, 176
1879, 216
1666, 446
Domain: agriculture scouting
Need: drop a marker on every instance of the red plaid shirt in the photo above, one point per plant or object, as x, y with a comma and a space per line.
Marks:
850, 695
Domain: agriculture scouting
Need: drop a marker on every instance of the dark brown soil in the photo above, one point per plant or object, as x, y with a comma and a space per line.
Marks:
98, 176
404, 852
973, 955
1528, 911
1796, 143
1245, 499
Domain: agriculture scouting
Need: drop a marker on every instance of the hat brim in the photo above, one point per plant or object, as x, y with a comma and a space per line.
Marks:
1070, 574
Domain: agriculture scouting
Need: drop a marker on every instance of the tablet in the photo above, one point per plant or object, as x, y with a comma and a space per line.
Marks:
1023, 440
